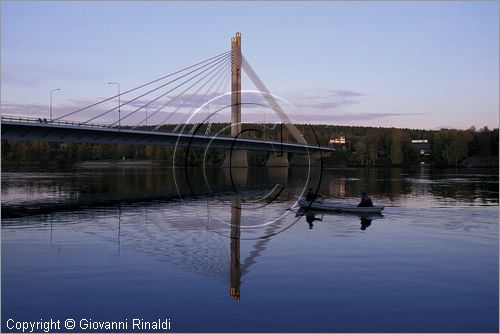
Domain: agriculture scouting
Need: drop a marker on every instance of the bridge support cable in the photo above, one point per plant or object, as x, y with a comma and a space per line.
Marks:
213, 68
220, 70
161, 86
219, 91
141, 86
205, 96
254, 77
218, 76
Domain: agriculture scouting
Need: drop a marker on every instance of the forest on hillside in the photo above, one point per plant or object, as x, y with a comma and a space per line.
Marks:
364, 146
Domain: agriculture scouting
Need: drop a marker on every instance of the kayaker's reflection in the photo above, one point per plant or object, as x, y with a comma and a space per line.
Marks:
310, 218
365, 222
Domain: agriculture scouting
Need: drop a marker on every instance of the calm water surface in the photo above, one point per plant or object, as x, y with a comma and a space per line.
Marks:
214, 251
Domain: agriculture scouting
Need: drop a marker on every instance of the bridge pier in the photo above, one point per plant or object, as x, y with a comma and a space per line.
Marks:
276, 160
236, 159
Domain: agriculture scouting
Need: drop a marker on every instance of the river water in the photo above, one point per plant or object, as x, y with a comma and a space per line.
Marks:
217, 251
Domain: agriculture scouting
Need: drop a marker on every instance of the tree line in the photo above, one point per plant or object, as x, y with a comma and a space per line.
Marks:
364, 146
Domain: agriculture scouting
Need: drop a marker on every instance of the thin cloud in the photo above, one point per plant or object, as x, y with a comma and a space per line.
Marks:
249, 100
39, 110
326, 99
329, 104
367, 116
324, 94
345, 93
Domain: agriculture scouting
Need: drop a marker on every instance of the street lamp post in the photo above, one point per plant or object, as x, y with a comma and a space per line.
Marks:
208, 118
208, 113
52, 92
119, 103
264, 125
209, 125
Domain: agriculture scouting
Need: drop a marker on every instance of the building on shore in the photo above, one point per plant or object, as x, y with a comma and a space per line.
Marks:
424, 150
340, 143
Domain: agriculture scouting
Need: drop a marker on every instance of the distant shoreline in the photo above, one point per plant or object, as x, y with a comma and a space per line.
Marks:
116, 163
471, 162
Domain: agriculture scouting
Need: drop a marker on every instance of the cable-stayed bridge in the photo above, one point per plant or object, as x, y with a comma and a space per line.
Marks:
144, 112
152, 114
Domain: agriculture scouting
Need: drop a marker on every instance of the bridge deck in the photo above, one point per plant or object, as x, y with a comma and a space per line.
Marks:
33, 129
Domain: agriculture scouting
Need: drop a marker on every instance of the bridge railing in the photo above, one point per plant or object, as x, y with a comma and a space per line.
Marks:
32, 120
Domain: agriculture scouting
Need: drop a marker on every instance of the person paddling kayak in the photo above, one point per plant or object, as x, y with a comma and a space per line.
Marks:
311, 195
366, 201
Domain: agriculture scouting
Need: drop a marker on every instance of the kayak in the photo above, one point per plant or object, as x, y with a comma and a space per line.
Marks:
339, 207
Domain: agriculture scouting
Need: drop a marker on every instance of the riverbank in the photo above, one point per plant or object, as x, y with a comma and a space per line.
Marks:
480, 162
469, 163
116, 163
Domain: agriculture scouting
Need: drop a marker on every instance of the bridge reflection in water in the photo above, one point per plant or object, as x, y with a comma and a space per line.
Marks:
200, 234
235, 247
